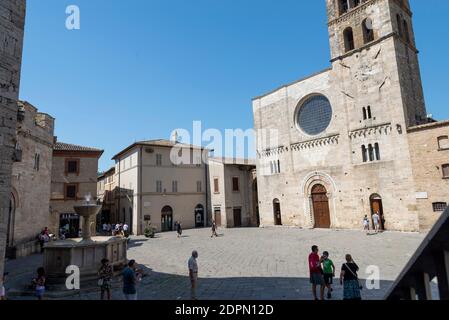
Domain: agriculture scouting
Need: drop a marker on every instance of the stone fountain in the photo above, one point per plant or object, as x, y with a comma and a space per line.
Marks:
85, 253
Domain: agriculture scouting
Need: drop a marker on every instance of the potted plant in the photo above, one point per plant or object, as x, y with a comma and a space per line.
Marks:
149, 231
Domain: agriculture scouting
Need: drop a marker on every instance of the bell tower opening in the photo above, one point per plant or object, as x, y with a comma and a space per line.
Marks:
358, 27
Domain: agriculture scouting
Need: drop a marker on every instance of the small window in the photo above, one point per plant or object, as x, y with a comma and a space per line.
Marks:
216, 185
371, 152
37, 160
439, 206
368, 111
198, 186
446, 171
365, 114
364, 154
159, 160
73, 166
235, 184
159, 186
174, 186
71, 191
377, 151
443, 142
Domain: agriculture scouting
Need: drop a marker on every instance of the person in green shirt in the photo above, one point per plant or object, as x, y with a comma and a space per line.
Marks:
328, 273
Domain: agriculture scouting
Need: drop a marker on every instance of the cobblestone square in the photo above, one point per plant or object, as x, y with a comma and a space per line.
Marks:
255, 264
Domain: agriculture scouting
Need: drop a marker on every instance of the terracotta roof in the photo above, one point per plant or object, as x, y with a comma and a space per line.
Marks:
157, 143
61, 146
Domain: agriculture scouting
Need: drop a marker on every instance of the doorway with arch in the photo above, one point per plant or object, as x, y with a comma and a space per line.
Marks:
377, 207
167, 219
277, 212
199, 216
320, 204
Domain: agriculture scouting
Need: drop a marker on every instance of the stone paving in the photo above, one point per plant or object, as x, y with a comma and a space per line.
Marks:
255, 264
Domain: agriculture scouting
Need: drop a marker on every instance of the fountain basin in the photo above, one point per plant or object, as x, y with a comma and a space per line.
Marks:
86, 255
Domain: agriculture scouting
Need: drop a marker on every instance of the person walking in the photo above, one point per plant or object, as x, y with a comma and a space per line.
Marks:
328, 273
376, 222
214, 230
179, 229
39, 283
350, 280
316, 273
104, 281
130, 279
126, 230
193, 274
366, 224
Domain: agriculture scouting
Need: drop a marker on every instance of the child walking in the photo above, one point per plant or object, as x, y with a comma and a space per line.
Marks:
39, 283
328, 273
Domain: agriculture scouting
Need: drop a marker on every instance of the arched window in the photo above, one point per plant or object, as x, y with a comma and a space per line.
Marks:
406, 32
364, 154
377, 150
399, 21
349, 39
368, 111
365, 115
368, 32
371, 152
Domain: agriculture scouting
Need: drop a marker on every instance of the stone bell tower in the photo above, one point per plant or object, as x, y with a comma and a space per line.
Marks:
361, 32
12, 18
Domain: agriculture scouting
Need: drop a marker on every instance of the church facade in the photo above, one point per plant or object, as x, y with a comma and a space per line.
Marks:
349, 140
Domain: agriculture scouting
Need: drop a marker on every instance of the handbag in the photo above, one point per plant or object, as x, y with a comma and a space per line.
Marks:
100, 282
355, 275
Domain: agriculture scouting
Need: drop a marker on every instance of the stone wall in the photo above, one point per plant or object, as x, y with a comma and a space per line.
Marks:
12, 19
31, 176
428, 157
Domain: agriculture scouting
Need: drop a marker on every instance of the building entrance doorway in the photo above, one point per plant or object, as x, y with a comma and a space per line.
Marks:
217, 216
377, 207
237, 217
277, 212
167, 219
199, 216
321, 211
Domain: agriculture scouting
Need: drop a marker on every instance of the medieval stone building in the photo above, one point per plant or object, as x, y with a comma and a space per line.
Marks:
354, 139
29, 204
12, 20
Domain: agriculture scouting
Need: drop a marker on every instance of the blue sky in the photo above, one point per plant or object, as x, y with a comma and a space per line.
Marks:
138, 69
